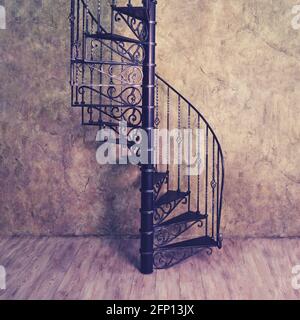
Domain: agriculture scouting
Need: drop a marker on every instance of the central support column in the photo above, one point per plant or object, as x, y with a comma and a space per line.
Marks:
147, 190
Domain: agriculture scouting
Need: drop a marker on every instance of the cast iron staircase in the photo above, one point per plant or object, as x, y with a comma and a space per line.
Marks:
113, 82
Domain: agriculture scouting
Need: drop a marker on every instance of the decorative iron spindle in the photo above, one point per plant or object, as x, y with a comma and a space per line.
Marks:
213, 186
168, 136
83, 52
99, 17
206, 179
87, 15
189, 156
218, 186
179, 142
112, 24
198, 163
77, 49
156, 123
100, 119
72, 21
92, 59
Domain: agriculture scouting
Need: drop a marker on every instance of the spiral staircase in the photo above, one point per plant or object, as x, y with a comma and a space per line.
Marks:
113, 81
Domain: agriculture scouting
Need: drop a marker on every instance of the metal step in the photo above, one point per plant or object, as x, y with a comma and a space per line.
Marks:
170, 196
193, 243
139, 13
111, 37
183, 218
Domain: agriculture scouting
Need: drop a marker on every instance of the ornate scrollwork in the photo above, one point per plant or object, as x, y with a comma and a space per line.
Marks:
138, 28
132, 115
158, 186
165, 234
128, 75
132, 52
164, 259
128, 96
162, 212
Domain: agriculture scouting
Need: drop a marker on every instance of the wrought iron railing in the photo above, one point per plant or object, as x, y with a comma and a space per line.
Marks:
204, 186
106, 74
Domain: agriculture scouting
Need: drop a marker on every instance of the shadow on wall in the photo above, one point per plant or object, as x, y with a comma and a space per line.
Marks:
122, 201
109, 194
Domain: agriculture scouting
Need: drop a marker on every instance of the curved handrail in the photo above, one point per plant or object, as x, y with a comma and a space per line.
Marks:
194, 108
219, 149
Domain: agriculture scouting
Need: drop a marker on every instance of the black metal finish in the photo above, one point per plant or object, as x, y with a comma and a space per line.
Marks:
113, 79
171, 229
193, 243
139, 13
147, 190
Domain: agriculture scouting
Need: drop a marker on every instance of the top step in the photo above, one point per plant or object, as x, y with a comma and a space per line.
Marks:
139, 13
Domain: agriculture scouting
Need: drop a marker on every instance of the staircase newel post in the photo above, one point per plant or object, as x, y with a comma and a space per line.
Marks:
147, 192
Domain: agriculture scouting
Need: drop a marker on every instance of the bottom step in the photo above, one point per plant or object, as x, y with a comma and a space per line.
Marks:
193, 243
172, 254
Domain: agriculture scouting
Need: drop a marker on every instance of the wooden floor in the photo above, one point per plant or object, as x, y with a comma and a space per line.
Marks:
94, 268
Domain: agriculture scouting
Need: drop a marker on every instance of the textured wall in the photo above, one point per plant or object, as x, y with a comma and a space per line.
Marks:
237, 59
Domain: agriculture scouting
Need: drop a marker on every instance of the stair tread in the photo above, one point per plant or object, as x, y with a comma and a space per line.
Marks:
170, 196
111, 36
185, 217
196, 242
139, 13
158, 176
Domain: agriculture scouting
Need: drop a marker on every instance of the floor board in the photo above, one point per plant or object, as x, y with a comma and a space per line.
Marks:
100, 268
